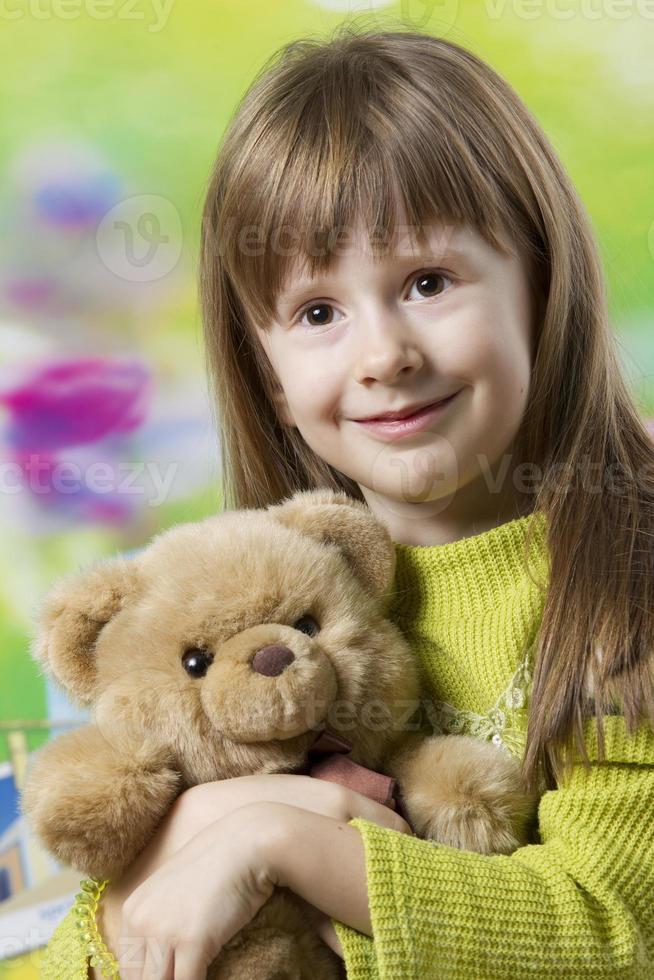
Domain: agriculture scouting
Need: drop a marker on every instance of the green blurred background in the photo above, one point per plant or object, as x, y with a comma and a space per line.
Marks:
111, 117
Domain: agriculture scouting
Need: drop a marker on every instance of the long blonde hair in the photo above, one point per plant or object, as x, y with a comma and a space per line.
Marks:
343, 128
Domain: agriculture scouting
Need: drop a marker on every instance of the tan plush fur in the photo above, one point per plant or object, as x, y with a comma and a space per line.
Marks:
115, 637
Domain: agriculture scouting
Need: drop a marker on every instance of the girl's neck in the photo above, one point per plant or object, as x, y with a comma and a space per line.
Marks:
437, 522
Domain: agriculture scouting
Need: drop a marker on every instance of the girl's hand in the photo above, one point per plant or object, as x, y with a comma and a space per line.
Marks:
177, 921
209, 801
200, 806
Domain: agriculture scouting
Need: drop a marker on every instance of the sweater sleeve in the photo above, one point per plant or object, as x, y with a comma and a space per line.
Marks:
576, 905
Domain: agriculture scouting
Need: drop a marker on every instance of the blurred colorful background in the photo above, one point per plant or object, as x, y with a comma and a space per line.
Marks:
111, 117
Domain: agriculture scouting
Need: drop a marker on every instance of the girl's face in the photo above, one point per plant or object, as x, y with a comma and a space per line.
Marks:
379, 336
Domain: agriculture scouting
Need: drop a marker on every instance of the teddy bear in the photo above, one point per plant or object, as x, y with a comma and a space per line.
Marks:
224, 648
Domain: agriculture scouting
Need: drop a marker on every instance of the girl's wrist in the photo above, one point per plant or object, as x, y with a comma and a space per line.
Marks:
271, 830
318, 858
277, 832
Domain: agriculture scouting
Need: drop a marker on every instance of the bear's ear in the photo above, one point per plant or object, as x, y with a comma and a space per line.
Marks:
70, 620
331, 516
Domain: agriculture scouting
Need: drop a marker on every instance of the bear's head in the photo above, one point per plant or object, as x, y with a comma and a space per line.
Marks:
230, 643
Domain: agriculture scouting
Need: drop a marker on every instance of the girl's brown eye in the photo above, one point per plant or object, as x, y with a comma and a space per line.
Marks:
322, 319
196, 661
307, 624
428, 281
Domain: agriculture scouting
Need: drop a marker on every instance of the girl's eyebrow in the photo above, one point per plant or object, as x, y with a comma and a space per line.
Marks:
288, 296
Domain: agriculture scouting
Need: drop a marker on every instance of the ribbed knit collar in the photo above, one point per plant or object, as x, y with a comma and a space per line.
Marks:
469, 608
483, 565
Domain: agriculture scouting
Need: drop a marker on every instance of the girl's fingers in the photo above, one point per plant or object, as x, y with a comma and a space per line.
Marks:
322, 925
207, 802
152, 959
132, 954
160, 961
153, 965
367, 809
188, 965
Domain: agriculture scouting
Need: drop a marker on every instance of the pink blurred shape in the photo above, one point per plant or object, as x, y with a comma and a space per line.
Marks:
77, 401
48, 478
30, 293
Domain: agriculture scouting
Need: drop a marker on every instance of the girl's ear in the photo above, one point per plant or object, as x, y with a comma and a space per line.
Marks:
71, 617
332, 517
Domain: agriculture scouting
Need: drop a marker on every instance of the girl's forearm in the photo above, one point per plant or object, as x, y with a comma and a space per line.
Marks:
320, 859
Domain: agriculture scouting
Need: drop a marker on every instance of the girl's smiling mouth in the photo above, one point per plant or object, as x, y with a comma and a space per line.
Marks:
391, 429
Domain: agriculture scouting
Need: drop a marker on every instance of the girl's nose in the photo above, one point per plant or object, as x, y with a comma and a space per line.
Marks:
387, 351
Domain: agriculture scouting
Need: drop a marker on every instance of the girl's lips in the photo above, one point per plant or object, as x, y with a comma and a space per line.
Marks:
412, 423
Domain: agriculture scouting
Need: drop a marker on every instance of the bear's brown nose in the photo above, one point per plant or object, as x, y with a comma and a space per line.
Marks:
272, 660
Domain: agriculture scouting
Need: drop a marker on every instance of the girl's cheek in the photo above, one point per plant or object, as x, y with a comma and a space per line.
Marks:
490, 351
310, 394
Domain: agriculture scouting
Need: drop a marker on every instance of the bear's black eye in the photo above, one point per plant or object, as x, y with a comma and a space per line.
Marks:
196, 661
307, 624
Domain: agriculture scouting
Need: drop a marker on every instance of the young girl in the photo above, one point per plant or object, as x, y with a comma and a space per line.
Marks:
387, 228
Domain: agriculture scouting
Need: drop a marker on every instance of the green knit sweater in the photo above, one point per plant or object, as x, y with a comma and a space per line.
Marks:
576, 904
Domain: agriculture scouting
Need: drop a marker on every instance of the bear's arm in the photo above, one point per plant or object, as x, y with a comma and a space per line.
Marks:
93, 803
